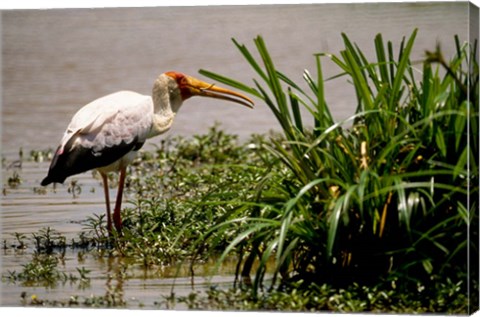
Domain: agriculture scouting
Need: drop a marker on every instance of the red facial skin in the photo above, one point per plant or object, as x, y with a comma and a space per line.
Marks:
182, 83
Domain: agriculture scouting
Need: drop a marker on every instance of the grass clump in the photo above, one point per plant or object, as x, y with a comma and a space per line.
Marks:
393, 196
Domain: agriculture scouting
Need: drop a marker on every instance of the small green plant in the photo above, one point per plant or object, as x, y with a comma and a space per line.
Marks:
41, 155
20, 238
47, 239
94, 231
74, 188
15, 180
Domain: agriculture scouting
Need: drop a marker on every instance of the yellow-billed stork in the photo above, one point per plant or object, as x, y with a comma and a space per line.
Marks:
106, 133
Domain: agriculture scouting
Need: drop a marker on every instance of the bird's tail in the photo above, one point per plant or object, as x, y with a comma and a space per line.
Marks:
49, 179
46, 181
56, 172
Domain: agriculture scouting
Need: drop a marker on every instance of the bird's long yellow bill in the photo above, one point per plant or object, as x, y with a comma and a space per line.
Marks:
191, 86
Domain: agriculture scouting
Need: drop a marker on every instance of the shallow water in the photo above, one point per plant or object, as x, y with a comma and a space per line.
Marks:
26, 211
54, 61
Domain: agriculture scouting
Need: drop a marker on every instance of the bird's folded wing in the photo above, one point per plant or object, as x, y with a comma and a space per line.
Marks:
101, 133
111, 120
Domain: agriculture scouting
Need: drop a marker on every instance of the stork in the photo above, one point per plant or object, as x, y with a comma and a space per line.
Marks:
106, 133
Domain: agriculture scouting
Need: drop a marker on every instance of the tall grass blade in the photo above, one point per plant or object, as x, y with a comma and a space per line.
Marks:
230, 82
382, 60
399, 76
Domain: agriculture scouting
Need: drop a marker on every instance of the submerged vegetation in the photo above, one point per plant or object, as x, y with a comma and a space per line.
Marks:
378, 212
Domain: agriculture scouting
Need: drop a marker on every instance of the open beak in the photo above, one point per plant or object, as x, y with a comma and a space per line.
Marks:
190, 86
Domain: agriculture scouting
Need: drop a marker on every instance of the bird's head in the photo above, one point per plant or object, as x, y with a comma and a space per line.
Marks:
182, 87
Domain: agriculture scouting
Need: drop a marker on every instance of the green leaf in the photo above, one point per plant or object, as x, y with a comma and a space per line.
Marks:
427, 265
382, 60
440, 141
246, 53
359, 81
341, 206
297, 116
230, 82
402, 65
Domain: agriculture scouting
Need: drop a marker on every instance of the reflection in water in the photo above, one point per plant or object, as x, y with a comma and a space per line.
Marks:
114, 286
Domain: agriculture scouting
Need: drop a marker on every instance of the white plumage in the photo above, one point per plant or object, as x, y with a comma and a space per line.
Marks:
110, 120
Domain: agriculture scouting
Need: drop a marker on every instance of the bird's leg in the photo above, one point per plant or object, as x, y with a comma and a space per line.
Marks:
117, 219
107, 201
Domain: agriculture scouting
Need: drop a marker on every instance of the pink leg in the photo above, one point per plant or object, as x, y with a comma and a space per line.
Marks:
107, 201
117, 219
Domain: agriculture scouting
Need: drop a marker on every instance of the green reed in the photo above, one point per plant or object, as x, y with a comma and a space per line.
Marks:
392, 195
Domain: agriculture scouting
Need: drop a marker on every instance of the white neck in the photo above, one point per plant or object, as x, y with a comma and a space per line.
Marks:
166, 102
